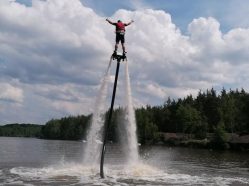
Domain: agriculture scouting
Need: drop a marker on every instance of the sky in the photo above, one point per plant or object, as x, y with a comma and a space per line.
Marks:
53, 53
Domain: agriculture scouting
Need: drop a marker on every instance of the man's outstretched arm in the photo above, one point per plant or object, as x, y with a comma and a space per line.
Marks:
110, 22
129, 23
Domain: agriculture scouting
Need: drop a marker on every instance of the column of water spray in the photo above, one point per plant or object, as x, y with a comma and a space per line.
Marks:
130, 125
92, 150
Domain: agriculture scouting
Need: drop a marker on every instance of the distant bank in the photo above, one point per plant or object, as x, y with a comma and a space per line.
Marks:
226, 141
209, 120
21, 130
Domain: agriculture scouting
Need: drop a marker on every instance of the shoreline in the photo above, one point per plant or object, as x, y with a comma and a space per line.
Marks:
232, 142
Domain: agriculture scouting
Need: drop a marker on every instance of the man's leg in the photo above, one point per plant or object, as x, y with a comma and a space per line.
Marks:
122, 43
116, 47
123, 47
117, 41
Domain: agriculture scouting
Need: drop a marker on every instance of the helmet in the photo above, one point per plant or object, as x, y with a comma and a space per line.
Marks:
119, 21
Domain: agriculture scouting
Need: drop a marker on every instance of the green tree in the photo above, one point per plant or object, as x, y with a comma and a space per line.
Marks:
189, 119
228, 111
220, 137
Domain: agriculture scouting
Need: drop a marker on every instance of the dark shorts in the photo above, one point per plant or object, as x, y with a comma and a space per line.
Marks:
120, 37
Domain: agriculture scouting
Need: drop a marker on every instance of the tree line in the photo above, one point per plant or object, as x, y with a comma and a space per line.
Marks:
208, 112
21, 130
67, 128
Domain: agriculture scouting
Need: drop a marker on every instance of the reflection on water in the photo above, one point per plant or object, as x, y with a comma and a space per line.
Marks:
26, 161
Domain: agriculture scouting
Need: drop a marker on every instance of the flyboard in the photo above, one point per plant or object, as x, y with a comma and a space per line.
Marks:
118, 58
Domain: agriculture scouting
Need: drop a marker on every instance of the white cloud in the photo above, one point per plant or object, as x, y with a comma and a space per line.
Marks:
205, 31
11, 93
59, 49
52, 37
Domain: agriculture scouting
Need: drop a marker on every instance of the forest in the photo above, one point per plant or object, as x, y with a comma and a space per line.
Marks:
208, 113
20, 130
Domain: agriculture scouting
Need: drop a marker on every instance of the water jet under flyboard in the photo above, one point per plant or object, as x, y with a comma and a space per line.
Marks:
98, 131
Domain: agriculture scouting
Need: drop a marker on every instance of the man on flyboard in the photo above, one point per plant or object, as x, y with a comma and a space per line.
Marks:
120, 34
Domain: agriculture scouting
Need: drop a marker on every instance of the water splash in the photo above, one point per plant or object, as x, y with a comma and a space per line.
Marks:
141, 174
94, 136
128, 135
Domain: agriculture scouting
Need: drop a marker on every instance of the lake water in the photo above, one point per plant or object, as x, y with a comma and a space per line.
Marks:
28, 161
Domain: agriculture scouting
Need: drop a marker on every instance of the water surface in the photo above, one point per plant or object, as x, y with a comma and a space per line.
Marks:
28, 161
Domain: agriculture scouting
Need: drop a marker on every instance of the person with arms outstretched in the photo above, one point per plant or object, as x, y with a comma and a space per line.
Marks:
120, 34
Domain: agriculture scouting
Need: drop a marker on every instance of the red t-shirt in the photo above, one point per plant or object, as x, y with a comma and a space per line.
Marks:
120, 27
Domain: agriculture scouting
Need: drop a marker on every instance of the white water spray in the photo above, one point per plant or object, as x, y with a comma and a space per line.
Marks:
95, 136
128, 136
